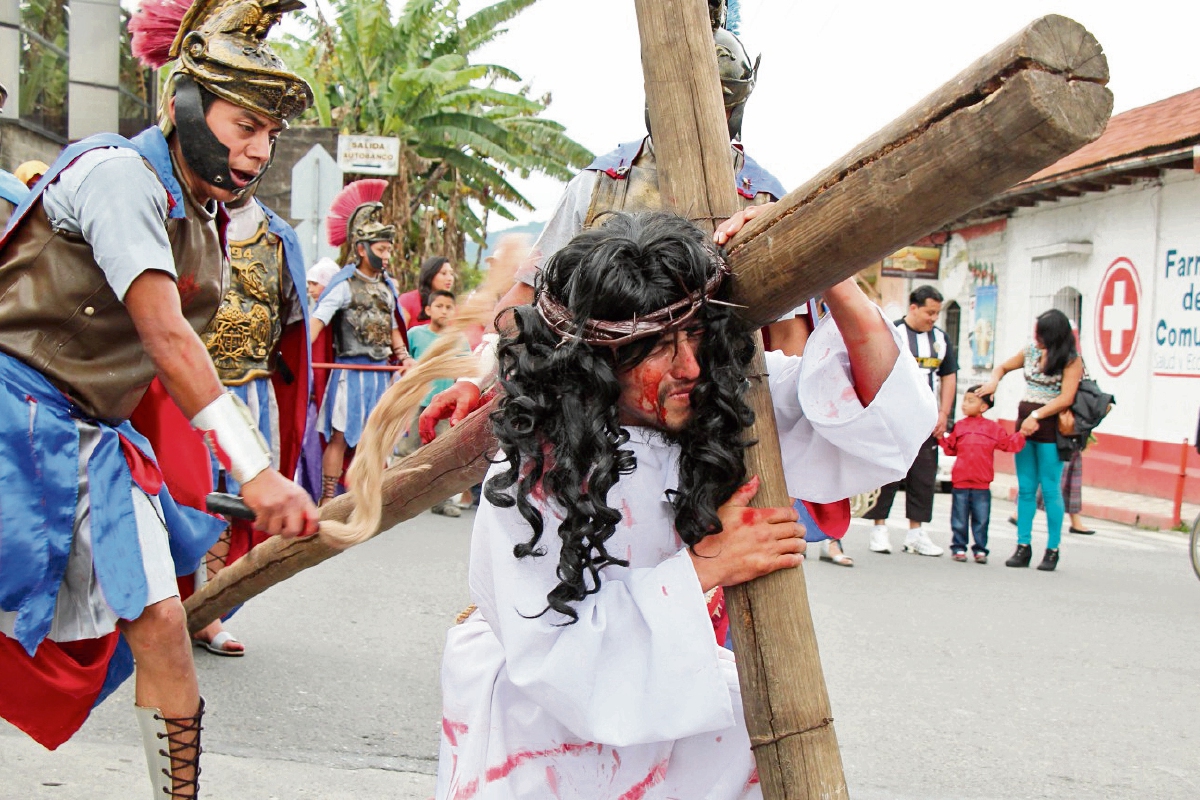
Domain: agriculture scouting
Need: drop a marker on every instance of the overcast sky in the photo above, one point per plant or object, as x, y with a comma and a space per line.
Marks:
833, 72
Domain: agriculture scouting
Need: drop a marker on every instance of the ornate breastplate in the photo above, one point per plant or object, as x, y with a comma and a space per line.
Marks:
365, 326
243, 335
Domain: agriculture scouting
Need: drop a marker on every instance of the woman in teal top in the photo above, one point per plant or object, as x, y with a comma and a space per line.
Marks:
1052, 369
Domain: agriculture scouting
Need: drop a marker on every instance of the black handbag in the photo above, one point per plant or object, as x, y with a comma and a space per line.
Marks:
1091, 406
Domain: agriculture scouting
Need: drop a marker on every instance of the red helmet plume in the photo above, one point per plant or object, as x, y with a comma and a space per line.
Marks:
362, 192
153, 28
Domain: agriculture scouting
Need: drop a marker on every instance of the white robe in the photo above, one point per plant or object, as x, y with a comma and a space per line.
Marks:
636, 701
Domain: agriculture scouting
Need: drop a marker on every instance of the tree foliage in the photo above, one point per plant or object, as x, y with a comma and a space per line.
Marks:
462, 134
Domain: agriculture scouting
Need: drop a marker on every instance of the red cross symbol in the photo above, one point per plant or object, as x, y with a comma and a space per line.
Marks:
1117, 314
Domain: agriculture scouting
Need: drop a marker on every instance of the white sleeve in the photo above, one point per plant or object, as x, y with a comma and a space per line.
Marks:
116, 202
566, 221
640, 664
832, 446
333, 302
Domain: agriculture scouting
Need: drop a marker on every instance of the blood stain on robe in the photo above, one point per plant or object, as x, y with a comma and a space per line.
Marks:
627, 514
752, 780
451, 730
502, 771
655, 777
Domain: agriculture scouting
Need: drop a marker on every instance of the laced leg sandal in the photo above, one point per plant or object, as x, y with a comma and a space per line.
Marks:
218, 555
175, 768
328, 488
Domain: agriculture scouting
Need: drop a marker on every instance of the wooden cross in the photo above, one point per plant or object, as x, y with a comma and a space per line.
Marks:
1029, 102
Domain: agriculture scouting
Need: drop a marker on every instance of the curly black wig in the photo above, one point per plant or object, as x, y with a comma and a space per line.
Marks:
558, 420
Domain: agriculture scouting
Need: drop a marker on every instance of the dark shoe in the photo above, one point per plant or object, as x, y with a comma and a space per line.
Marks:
447, 509
1022, 556
1013, 519
1084, 531
1049, 561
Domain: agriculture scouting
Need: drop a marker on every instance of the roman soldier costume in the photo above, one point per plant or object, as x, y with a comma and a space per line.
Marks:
360, 312
89, 534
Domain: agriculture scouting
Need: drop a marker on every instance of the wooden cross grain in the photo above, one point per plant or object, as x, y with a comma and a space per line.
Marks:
1026, 104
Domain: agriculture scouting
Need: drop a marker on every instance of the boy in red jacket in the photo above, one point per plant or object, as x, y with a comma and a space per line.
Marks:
974, 441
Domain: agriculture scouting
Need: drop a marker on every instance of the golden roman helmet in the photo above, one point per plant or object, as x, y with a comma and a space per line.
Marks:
356, 214
221, 45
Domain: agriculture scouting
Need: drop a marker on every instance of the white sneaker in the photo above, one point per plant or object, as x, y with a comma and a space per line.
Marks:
918, 542
880, 543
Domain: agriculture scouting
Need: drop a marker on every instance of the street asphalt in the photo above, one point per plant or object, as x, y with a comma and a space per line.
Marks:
948, 681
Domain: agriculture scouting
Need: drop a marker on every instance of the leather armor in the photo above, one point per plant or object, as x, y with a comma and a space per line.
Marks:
59, 315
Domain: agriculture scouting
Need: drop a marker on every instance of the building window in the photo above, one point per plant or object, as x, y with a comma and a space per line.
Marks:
136, 102
953, 323
44, 65
1069, 301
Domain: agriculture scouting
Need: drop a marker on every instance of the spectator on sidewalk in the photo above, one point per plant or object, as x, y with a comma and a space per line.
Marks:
435, 274
938, 361
1072, 492
974, 440
1052, 369
440, 312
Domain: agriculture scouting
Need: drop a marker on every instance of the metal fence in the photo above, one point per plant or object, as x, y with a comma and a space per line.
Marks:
45, 65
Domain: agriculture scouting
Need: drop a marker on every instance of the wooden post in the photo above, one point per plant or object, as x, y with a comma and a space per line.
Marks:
1019, 109
785, 702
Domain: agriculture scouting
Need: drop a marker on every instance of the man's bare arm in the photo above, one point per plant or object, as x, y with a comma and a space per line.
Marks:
180, 358
868, 336
187, 373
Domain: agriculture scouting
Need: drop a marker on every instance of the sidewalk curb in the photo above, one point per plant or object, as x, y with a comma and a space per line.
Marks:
1125, 516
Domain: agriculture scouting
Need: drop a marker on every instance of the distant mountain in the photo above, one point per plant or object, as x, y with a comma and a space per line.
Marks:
531, 229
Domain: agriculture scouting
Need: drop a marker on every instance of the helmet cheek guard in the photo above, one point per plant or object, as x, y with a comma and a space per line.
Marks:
738, 77
202, 150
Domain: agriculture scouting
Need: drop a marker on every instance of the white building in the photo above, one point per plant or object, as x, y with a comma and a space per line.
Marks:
1111, 236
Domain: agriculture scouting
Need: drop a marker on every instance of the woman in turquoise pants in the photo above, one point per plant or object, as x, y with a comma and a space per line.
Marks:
1052, 369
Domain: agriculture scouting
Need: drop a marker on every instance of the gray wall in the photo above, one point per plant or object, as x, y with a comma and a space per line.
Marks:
19, 144
293, 144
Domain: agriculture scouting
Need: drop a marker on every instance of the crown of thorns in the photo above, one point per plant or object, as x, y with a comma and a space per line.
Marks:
618, 333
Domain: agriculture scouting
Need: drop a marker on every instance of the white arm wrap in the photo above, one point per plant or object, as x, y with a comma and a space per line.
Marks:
488, 365
230, 433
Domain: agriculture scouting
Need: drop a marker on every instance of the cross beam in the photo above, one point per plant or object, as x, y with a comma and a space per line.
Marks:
1029, 102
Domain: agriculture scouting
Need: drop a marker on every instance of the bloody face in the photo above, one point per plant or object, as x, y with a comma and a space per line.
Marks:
656, 392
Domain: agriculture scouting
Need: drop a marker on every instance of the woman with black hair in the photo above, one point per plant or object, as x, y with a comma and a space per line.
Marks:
1053, 369
436, 274
619, 497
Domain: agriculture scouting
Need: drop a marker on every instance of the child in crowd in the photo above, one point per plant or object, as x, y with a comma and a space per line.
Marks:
974, 441
440, 309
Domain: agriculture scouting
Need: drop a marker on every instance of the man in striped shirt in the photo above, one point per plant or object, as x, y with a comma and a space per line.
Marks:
937, 359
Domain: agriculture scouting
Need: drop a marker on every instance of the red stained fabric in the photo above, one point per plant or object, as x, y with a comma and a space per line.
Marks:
51, 694
719, 616
142, 468
180, 449
292, 397
832, 518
